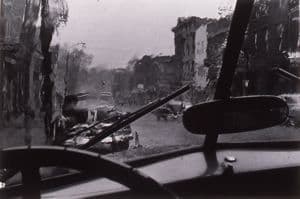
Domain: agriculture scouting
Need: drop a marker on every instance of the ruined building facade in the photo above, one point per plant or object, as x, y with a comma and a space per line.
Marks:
271, 40
199, 43
149, 78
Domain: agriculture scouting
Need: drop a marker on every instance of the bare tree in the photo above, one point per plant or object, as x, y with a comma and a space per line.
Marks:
52, 14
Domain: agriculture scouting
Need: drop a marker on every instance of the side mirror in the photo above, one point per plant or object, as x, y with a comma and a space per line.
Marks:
236, 115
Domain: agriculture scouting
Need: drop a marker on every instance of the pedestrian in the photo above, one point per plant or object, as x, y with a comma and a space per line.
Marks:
136, 140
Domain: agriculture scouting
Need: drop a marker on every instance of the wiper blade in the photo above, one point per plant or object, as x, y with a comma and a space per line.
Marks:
133, 116
286, 74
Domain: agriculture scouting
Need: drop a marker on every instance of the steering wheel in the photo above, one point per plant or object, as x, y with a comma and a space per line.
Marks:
28, 160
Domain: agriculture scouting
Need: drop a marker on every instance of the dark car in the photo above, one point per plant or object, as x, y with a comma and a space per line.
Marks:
171, 111
164, 113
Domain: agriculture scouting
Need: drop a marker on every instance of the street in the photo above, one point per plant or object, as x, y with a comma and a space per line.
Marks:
153, 133
154, 137
157, 136
161, 136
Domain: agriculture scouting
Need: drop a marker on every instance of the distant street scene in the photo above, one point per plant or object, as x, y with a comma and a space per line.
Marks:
126, 97
125, 85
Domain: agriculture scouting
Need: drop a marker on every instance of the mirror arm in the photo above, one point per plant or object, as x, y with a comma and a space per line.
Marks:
210, 141
239, 23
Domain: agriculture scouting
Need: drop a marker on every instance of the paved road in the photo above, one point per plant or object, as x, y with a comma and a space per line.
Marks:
153, 133
159, 136
161, 133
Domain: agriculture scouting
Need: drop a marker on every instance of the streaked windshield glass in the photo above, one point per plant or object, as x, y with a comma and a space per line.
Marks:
71, 69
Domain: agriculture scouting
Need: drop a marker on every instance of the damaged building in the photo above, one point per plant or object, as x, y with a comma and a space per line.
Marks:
199, 43
20, 60
268, 61
161, 72
121, 84
169, 77
271, 44
148, 78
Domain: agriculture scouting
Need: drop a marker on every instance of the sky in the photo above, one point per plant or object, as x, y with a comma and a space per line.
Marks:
117, 30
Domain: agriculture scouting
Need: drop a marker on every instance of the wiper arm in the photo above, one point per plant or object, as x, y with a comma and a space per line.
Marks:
286, 74
132, 117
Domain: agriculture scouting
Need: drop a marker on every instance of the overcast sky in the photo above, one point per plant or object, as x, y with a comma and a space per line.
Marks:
116, 30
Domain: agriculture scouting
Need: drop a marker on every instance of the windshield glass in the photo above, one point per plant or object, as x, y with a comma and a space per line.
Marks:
70, 69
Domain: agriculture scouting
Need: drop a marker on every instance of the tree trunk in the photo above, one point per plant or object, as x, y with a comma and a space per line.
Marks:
47, 30
27, 46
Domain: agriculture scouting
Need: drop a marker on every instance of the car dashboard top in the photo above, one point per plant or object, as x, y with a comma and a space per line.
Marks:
188, 168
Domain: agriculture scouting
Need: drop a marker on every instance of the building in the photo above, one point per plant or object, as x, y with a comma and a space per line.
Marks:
186, 32
199, 43
145, 73
272, 39
13, 13
150, 77
161, 72
121, 84
169, 76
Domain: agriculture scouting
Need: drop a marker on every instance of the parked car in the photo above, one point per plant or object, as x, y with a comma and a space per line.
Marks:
171, 111
293, 101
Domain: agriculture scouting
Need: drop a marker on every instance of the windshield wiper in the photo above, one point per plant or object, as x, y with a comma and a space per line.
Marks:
124, 121
286, 74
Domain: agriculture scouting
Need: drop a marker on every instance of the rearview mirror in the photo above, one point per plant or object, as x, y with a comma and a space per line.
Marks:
236, 115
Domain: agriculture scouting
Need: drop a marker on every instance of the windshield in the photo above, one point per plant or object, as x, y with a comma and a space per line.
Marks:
72, 68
